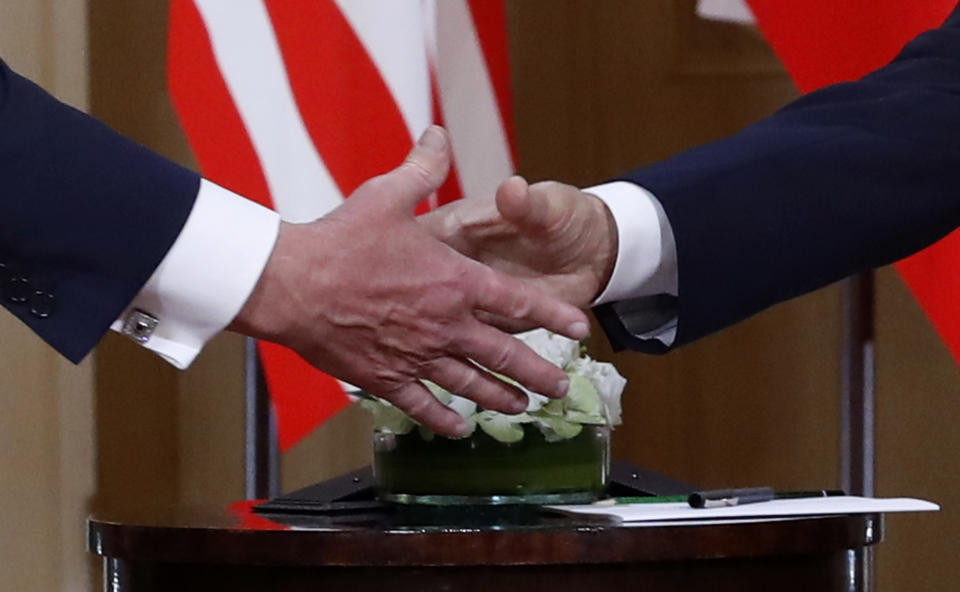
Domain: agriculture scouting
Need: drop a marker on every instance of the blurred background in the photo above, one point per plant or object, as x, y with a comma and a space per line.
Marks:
599, 88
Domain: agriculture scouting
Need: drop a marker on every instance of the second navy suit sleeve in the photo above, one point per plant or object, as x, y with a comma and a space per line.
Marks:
851, 177
85, 216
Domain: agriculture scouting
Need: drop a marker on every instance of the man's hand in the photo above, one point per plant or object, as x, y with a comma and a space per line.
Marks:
366, 294
554, 236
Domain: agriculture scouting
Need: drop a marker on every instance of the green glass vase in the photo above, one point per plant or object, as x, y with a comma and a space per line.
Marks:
478, 469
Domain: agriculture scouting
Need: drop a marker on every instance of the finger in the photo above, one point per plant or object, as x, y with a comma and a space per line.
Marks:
485, 389
461, 222
537, 208
503, 323
511, 298
513, 199
445, 223
502, 353
437, 224
416, 401
423, 172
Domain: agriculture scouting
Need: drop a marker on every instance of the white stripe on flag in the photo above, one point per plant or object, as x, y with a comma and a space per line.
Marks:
250, 61
392, 33
734, 11
470, 109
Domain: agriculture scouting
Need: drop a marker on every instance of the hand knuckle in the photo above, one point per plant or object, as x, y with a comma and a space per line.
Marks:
522, 307
546, 185
420, 170
440, 341
419, 405
488, 286
373, 185
446, 299
504, 357
468, 382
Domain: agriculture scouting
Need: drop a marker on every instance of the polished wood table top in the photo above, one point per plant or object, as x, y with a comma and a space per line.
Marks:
235, 535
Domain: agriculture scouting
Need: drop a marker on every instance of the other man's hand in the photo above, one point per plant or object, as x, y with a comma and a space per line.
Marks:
366, 294
554, 236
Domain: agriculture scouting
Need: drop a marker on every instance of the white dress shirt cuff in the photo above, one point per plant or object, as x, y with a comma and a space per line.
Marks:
206, 276
646, 262
646, 253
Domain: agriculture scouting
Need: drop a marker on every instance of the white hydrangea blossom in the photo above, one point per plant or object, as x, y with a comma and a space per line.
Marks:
593, 401
556, 349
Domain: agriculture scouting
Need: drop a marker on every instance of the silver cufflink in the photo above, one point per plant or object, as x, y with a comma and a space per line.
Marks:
139, 325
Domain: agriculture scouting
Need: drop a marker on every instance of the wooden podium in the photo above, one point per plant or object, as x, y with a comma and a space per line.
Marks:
236, 550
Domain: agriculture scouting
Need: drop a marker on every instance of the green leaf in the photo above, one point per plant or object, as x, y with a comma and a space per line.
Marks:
583, 396
500, 427
554, 407
555, 429
388, 418
581, 417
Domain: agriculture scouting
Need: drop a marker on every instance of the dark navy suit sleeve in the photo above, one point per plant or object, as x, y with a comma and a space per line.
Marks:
85, 216
851, 177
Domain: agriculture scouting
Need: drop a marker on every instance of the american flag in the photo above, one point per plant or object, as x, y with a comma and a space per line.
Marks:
295, 103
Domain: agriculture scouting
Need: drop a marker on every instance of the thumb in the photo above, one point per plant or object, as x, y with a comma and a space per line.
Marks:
424, 170
533, 208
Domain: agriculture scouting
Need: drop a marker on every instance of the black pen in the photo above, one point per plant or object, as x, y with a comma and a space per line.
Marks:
749, 495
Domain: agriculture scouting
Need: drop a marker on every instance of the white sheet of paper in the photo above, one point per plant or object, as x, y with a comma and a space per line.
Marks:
816, 506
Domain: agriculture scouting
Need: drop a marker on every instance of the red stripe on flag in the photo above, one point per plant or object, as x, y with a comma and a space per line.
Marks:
822, 43
933, 280
490, 22
303, 397
346, 106
249, 519
209, 117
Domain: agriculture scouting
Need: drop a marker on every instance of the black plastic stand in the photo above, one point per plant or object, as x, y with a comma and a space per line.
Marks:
351, 497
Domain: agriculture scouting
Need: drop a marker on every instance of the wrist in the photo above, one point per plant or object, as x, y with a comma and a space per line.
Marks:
605, 255
266, 313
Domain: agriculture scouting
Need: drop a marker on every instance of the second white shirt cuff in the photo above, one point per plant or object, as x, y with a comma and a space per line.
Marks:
646, 254
646, 251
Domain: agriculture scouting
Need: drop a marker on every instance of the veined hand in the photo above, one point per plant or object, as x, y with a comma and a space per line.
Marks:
368, 295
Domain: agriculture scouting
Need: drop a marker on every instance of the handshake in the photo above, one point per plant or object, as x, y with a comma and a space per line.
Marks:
381, 298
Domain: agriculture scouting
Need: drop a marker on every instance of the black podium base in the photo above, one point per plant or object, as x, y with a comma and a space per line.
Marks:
351, 499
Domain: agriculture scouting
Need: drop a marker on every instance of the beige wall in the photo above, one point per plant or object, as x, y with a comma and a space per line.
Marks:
918, 409
46, 418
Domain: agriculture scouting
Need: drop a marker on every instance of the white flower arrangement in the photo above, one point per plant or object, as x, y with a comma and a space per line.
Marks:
593, 398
